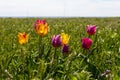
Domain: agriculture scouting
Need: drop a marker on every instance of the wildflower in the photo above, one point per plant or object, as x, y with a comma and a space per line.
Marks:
23, 38
91, 30
86, 43
57, 41
65, 49
65, 38
41, 27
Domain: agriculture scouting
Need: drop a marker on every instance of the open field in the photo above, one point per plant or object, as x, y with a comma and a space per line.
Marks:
35, 60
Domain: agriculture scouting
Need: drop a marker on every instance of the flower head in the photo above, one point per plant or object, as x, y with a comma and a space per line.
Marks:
41, 27
86, 43
23, 38
65, 49
56, 41
65, 38
91, 30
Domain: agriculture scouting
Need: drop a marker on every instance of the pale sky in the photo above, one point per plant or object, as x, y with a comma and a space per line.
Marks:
61, 8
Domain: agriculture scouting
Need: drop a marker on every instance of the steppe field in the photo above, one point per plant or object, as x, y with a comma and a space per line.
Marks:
56, 49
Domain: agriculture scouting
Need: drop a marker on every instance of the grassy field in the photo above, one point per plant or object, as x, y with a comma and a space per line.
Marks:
23, 62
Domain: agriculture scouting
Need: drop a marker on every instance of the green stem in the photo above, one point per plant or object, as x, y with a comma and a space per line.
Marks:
21, 50
56, 56
40, 43
55, 53
89, 36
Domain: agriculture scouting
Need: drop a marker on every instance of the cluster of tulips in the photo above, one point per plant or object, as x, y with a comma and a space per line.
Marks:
87, 42
42, 28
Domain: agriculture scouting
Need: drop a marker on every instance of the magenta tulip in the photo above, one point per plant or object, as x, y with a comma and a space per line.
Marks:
57, 41
86, 43
91, 30
65, 49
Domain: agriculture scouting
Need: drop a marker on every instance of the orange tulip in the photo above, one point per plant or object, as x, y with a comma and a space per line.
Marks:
23, 38
41, 27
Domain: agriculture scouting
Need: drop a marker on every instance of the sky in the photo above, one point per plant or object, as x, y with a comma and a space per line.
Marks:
59, 8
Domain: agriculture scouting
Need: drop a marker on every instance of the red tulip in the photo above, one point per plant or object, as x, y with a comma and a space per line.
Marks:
39, 22
86, 43
91, 30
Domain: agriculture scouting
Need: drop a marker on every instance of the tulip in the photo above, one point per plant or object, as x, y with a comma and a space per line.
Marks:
65, 49
65, 38
41, 27
57, 41
86, 43
91, 30
23, 38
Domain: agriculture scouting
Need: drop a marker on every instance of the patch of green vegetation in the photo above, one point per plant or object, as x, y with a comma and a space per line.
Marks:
101, 62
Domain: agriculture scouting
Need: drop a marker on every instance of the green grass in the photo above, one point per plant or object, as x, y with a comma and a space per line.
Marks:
22, 62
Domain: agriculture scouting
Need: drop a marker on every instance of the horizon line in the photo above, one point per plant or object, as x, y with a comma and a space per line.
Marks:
58, 16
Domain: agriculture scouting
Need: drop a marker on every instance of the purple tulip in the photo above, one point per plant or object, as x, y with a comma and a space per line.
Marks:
91, 30
86, 43
57, 41
65, 49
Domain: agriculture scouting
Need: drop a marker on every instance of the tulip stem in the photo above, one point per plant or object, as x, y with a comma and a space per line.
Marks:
56, 56
55, 53
88, 36
40, 43
21, 50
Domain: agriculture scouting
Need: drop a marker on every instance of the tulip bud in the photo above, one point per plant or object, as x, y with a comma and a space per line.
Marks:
65, 49
91, 30
86, 43
57, 41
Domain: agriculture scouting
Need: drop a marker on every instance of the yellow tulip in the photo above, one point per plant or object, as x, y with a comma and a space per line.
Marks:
65, 38
23, 38
41, 27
